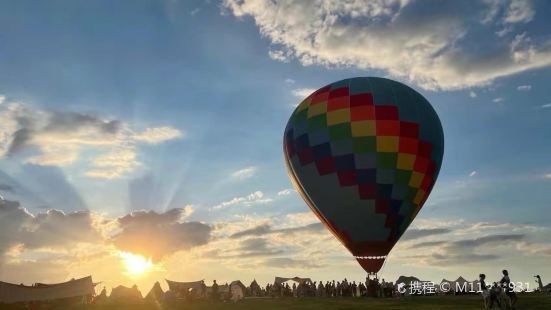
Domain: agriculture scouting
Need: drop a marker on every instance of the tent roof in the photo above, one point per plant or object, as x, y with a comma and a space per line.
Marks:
155, 292
279, 280
239, 283
407, 280
11, 293
178, 286
125, 292
461, 279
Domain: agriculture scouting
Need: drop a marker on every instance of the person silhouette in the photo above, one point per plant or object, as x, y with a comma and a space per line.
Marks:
508, 287
540, 284
214, 290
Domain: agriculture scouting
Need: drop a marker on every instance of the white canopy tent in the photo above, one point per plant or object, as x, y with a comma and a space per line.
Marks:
12, 293
279, 280
237, 291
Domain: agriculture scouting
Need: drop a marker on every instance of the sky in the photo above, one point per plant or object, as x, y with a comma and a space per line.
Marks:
155, 128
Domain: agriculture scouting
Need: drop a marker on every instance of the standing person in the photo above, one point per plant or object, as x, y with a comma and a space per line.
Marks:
321, 289
540, 284
203, 289
488, 294
214, 290
509, 291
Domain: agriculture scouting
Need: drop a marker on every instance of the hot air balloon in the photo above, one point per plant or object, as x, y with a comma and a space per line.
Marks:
364, 153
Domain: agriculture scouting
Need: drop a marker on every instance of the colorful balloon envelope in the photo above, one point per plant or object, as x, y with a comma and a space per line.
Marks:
365, 153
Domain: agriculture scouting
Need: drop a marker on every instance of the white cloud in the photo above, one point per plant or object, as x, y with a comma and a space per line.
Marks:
244, 173
278, 55
546, 106
524, 87
157, 235
547, 176
497, 100
51, 138
431, 50
52, 229
194, 11
303, 92
493, 7
289, 81
114, 164
158, 135
472, 94
253, 198
187, 211
473, 173
301, 219
2, 99
520, 11
285, 192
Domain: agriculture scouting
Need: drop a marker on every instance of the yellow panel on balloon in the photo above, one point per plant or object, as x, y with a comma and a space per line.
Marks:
303, 105
317, 109
387, 144
416, 179
363, 129
419, 197
405, 161
338, 117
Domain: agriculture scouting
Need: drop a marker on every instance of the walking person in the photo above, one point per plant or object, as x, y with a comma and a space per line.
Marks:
509, 291
488, 294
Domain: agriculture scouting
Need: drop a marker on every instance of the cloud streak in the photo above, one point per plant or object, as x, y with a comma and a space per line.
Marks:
266, 229
253, 198
245, 173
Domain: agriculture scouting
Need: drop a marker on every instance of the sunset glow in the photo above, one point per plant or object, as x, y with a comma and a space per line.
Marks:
146, 144
135, 264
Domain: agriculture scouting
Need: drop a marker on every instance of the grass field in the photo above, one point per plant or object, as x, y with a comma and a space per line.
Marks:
528, 302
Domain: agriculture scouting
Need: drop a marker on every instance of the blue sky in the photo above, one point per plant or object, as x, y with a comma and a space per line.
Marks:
200, 93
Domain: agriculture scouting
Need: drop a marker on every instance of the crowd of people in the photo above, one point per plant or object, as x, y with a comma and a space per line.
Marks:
502, 293
344, 288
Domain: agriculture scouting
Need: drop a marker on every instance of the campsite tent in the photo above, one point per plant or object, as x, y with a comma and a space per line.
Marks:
255, 289
12, 293
156, 292
125, 294
279, 280
407, 280
404, 282
178, 287
237, 290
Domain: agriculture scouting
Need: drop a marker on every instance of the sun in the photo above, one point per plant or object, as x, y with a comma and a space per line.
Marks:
135, 264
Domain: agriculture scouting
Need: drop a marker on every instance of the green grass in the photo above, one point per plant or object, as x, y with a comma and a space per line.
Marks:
529, 302
526, 302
